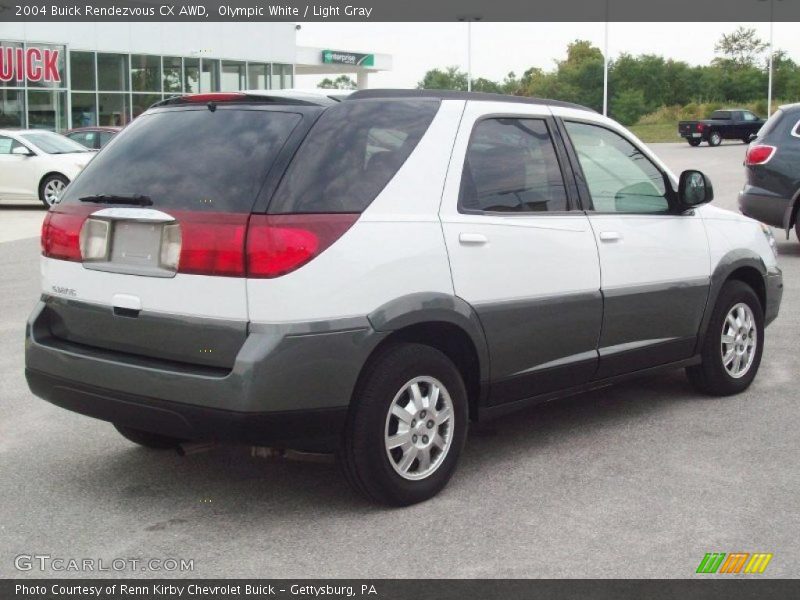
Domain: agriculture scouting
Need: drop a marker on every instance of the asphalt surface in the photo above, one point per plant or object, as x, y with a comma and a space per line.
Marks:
637, 480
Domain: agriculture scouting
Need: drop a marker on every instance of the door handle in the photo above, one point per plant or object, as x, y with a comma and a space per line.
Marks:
610, 236
476, 239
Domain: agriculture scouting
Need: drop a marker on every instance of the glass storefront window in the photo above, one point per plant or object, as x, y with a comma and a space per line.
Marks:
257, 76
141, 102
233, 76
81, 71
12, 108
281, 77
191, 75
172, 74
112, 72
114, 109
209, 76
47, 110
145, 73
84, 109
50, 66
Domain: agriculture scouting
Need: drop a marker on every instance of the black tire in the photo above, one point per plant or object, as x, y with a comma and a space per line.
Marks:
694, 142
711, 376
714, 138
47, 181
363, 456
154, 441
797, 229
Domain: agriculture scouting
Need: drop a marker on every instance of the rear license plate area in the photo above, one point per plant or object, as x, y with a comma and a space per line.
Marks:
136, 244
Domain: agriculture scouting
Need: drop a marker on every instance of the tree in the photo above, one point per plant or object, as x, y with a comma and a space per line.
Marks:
342, 82
739, 49
628, 106
452, 78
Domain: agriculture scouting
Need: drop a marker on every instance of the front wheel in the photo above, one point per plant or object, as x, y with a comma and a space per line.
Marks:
51, 189
694, 142
714, 138
731, 351
406, 427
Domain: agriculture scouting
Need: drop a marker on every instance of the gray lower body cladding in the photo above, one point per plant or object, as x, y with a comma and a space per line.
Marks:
765, 206
278, 374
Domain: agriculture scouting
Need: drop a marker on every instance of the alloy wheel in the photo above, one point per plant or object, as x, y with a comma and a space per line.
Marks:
419, 428
739, 340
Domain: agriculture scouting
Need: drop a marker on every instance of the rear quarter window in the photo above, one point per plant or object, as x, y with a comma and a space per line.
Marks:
721, 114
195, 159
771, 124
350, 154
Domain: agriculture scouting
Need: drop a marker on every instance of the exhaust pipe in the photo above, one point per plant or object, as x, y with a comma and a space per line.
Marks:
194, 448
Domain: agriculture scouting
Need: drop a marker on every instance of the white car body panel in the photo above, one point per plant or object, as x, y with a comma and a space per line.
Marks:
394, 249
20, 176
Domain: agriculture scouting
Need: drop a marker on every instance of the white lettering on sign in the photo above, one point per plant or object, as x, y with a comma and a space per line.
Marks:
35, 64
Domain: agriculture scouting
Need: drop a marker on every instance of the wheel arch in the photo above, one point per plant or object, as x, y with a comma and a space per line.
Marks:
740, 265
790, 218
444, 322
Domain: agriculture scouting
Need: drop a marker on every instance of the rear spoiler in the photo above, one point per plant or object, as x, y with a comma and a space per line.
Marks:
242, 98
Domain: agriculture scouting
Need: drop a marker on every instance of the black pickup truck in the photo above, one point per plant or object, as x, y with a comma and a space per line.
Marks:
729, 124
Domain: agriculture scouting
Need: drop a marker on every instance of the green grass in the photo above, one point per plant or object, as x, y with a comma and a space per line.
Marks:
656, 132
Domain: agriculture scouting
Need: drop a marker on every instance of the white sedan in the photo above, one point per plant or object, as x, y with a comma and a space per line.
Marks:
36, 165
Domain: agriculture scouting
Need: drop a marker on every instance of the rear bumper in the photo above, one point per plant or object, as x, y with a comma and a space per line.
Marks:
764, 206
314, 429
774, 284
289, 385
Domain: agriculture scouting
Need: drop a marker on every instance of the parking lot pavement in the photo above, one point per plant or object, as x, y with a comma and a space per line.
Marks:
637, 480
20, 222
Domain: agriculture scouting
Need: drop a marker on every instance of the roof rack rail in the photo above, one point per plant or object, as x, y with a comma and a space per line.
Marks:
456, 95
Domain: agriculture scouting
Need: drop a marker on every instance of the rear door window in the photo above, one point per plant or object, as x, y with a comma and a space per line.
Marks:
350, 154
511, 166
190, 159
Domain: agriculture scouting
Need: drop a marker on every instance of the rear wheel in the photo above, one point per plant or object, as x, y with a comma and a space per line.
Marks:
714, 138
693, 142
154, 441
51, 188
407, 426
797, 229
733, 343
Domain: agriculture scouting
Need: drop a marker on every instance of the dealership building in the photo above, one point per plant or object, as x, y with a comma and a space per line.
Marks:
64, 75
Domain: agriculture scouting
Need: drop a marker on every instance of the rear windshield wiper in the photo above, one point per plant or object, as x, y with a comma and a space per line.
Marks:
137, 199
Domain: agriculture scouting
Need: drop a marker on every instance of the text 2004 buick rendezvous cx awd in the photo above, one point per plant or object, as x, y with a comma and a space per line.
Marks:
368, 276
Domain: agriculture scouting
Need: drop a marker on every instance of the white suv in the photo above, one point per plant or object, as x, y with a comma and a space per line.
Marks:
369, 276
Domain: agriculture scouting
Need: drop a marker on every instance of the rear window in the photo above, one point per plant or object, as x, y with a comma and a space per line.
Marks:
771, 124
721, 114
190, 159
350, 155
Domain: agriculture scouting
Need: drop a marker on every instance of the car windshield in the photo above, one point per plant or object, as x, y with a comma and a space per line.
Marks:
52, 143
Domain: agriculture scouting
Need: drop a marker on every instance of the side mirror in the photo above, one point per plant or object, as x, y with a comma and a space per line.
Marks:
21, 151
694, 189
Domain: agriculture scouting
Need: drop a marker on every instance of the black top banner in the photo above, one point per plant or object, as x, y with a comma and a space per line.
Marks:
685, 11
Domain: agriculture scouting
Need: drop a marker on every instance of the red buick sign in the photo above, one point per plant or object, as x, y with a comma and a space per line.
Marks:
33, 64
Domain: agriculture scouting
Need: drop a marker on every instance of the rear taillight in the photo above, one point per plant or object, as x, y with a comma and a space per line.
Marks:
61, 232
211, 243
700, 127
759, 154
279, 244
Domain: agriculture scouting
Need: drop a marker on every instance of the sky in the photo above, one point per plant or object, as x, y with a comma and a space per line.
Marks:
498, 48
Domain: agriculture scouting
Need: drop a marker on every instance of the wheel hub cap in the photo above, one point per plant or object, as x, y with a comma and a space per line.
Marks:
419, 428
739, 340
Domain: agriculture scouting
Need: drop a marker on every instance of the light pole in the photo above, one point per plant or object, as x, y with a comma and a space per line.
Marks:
771, 52
469, 21
605, 67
